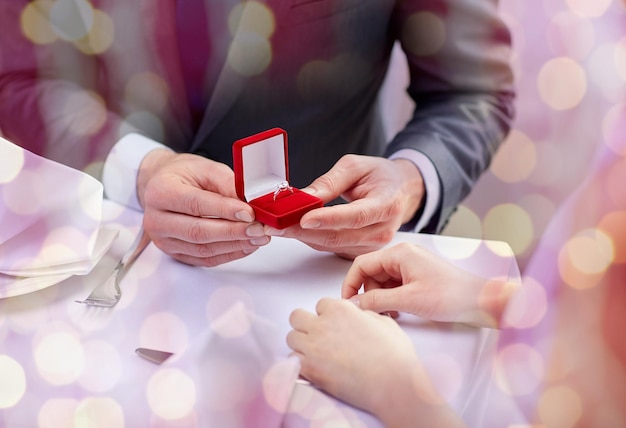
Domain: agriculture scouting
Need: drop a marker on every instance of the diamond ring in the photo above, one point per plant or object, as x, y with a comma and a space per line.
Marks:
282, 187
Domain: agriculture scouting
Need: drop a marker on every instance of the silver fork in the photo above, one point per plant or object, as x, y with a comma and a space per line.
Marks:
108, 292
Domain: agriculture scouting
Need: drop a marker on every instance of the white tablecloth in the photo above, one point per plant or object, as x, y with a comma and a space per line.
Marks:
78, 363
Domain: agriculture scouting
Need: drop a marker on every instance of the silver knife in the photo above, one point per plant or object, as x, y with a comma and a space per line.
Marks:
153, 355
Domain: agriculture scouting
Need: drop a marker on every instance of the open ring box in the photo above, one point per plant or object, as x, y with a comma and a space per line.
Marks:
261, 168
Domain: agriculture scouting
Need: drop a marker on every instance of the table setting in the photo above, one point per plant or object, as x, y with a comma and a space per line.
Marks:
66, 362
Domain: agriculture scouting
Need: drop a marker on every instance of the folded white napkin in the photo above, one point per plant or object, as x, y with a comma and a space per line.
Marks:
50, 220
230, 377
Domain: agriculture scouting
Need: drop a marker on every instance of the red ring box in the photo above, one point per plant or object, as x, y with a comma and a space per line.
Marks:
261, 164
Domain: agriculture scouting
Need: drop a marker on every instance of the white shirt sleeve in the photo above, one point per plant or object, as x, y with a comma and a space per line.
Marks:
431, 182
119, 175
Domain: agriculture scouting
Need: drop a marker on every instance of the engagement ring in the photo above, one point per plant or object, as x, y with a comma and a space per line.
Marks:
282, 187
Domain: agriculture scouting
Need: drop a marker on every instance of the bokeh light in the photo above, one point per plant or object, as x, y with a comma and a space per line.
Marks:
251, 23
516, 158
528, 306
519, 369
614, 129
99, 412
100, 36
71, 19
424, 33
57, 413
59, 357
147, 91
562, 83
613, 225
35, 22
83, 112
165, 331
614, 183
14, 157
570, 35
171, 394
103, 367
509, 223
224, 299
13, 382
13, 196
591, 9
603, 72
464, 222
560, 406
584, 258
274, 381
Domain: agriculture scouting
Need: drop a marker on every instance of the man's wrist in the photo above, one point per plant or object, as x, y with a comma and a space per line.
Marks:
415, 189
150, 164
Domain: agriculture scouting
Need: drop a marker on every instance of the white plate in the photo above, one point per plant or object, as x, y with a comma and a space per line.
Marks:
40, 278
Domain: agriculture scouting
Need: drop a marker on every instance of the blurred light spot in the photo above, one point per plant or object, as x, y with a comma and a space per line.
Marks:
13, 382
509, 223
614, 225
519, 369
83, 112
56, 252
562, 83
165, 331
302, 399
103, 367
251, 16
458, 248
275, 380
500, 248
570, 35
619, 58
35, 22
225, 298
146, 122
560, 406
71, 19
614, 183
528, 305
446, 375
584, 258
319, 79
464, 222
90, 198
249, 54
424, 33
604, 73
229, 387
235, 322
171, 394
99, 412
57, 413
515, 159
587, 8
15, 200
147, 91
12, 160
25, 315
100, 36
614, 129
59, 358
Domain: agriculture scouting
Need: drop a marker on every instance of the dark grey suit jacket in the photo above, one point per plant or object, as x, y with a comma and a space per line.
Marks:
312, 67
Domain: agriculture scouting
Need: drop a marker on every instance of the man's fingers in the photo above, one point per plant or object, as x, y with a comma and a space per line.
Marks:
200, 230
355, 215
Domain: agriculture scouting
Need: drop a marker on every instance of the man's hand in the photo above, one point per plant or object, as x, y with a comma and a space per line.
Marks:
382, 195
191, 210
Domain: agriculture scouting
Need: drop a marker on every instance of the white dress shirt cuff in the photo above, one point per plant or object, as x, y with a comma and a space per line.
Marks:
122, 165
431, 183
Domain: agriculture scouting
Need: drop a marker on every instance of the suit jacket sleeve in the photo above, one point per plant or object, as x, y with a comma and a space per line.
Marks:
462, 84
